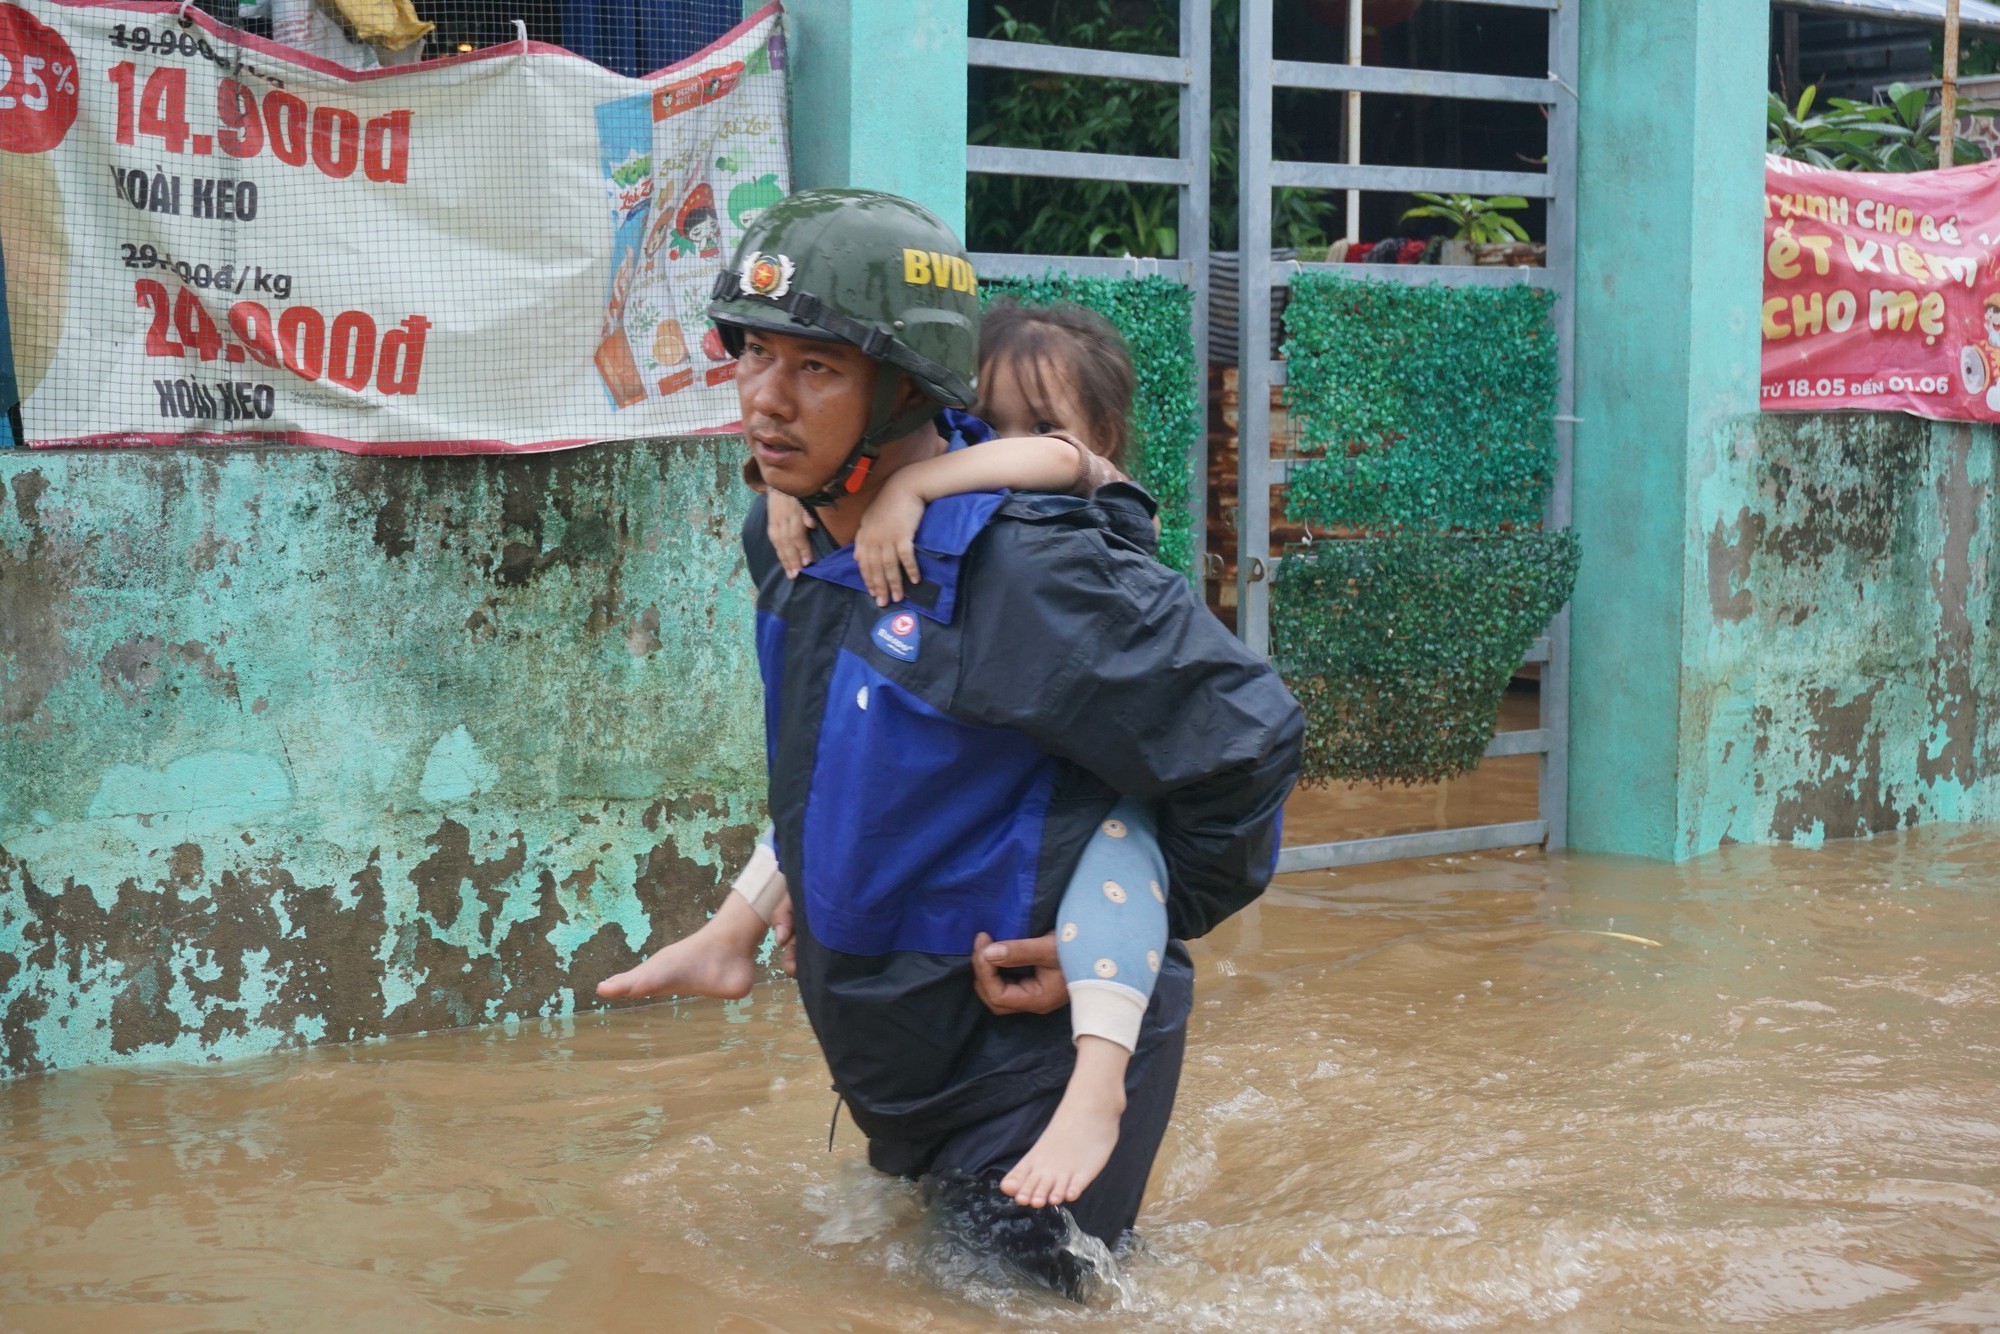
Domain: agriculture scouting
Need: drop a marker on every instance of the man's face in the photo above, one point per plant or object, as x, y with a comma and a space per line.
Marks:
805, 404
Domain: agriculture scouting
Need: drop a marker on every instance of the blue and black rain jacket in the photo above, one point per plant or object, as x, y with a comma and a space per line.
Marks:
936, 769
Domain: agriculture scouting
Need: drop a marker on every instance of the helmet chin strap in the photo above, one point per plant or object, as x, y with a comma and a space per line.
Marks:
888, 425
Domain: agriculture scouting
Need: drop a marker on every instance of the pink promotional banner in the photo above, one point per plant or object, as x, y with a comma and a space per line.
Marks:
1882, 292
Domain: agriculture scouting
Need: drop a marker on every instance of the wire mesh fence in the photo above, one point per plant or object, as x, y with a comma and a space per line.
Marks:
380, 225
630, 37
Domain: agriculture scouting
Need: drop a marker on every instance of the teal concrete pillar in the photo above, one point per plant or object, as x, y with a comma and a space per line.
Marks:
1670, 192
878, 98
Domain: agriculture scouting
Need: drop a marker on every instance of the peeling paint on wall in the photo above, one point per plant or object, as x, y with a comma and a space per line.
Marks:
1840, 676
299, 747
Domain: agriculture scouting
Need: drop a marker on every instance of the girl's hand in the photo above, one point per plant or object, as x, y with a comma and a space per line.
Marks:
885, 547
786, 522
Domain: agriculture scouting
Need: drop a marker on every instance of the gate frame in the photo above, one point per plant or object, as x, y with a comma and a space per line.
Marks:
1189, 72
1258, 369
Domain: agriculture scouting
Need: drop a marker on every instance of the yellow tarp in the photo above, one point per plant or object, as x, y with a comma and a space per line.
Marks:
389, 24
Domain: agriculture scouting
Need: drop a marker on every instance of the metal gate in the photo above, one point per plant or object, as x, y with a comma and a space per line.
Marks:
1188, 172
1258, 369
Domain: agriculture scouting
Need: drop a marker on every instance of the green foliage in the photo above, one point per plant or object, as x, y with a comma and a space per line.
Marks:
1155, 316
1037, 216
1034, 216
1433, 410
1977, 56
1479, 221
1427, 405
1399, 647
1896, 135
1298, 217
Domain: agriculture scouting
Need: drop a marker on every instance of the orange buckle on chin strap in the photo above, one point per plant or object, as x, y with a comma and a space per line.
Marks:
859, 477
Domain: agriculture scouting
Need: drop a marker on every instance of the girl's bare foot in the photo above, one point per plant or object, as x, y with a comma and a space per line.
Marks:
690, 967
1080, 1137
719, 960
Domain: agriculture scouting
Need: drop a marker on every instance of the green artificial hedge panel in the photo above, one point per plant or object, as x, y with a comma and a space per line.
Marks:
1399, 647
1156, 317
1430, 413
1425, 405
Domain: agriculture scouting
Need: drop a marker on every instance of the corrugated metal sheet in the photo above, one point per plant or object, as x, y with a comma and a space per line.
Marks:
1980, 14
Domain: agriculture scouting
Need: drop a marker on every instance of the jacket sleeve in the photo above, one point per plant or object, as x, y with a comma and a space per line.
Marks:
1106, 658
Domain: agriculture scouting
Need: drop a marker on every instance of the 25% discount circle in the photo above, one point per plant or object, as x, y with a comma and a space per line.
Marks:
38, 95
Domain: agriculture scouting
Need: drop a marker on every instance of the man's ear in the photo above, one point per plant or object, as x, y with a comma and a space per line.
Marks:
910, 395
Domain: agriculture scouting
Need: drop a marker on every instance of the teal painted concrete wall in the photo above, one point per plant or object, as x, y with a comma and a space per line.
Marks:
296, 746
299, 747
878, 98
1841, 675
1669, 254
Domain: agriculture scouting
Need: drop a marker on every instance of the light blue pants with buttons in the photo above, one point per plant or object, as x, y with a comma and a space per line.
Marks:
1111, 927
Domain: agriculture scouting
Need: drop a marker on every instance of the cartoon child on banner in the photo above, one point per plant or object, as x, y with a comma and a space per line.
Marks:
1979, 363
697, 230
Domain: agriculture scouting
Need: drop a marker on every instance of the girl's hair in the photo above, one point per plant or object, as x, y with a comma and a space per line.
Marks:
1087, 349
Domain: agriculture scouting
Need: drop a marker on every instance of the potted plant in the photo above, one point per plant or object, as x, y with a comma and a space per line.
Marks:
1481, 230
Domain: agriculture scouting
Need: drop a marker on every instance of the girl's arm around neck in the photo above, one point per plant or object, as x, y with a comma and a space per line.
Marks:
1018, 463
885, 547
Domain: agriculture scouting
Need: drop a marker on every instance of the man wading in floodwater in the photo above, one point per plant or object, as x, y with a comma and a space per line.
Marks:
936, 769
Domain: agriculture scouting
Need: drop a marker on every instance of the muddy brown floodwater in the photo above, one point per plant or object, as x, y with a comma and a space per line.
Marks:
1433, 1096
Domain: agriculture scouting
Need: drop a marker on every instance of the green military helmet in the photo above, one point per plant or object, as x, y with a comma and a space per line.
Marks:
867, 268
860, 267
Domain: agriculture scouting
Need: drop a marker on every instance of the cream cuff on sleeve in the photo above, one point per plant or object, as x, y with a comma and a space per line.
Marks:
1108, 1010
762, 884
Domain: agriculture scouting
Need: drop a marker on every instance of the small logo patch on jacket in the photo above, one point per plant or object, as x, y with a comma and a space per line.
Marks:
896, 635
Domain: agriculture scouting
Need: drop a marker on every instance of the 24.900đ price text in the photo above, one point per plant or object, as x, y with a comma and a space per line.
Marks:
347, 350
